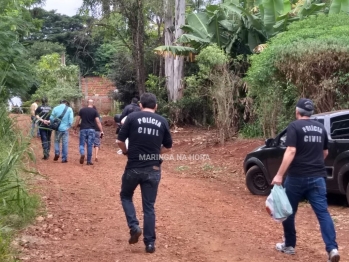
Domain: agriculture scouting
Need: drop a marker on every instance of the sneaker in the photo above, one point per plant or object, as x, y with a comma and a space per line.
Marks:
89, 163
135, 234
56, 158
150, 248
45, 158
82, 159
334, 256
287, 250
64, 161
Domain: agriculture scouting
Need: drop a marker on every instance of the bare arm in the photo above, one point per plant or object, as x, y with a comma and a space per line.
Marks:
122, 146
77, 122
164, 150
325, 153
99, 124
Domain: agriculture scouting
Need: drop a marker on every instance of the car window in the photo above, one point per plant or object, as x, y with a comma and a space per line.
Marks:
283, 139
340, 127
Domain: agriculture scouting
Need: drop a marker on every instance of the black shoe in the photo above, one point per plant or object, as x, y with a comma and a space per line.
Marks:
150, 248
56, 158
89, 163
64, 161
135, 234
82, 159
45, 158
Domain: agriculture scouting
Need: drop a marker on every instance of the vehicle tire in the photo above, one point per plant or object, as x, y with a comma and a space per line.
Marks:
256, 182
347, 194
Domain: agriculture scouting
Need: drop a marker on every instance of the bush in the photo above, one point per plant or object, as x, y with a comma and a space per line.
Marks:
310, 60
18, 206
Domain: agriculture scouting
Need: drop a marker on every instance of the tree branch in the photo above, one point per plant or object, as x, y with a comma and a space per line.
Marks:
118, 34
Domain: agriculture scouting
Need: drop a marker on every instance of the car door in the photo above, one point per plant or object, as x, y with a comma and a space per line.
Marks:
275, 154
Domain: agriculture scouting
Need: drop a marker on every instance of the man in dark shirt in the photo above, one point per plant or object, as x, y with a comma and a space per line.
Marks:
147, 132
304, 159
89, 119
42, 114
133, 107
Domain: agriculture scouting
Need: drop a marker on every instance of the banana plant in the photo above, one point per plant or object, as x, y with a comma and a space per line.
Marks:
338, 6
236, 29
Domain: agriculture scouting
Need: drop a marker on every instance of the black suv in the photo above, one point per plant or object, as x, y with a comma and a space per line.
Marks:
261, 164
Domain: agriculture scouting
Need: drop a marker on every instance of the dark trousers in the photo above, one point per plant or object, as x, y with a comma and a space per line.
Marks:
314, 190
45, 135
148, 178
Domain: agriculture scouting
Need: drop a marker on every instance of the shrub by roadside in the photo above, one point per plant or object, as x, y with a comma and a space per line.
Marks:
310, 59
17, 205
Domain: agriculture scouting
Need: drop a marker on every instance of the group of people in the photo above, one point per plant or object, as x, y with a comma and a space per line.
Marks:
91, 130
149, 133
303, 162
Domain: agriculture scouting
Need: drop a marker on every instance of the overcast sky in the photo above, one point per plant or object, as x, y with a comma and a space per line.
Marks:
66, 7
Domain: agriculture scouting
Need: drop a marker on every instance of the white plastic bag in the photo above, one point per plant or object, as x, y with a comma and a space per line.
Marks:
277, 204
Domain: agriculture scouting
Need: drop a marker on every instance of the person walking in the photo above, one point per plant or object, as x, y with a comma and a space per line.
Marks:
33, 108
62, 134
149, 136
98, 137
42, 114
89, 119
133, 107
304, 159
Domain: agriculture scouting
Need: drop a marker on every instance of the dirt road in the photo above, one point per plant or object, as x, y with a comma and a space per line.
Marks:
204, 211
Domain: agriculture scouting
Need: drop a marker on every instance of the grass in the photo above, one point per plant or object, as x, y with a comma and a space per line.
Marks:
18, 206
182, 168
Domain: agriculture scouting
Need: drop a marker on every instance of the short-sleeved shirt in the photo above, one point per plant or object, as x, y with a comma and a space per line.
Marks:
44, 112
310, 139
88, 118
146, 132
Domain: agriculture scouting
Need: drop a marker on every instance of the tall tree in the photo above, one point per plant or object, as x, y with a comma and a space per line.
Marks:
74, 33
133, 11
169, 59
174, 66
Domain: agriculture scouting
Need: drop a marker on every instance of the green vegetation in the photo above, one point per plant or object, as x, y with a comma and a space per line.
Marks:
18, 206
57, 81
310, 60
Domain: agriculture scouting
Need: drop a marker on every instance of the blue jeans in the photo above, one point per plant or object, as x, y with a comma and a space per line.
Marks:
64, 136
87, 136
149, 180
314, 190
45, 135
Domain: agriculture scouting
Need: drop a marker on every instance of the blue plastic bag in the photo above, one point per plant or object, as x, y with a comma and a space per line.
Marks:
277, 204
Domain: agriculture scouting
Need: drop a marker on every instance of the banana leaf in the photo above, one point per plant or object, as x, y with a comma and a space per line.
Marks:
175, 50
338, 6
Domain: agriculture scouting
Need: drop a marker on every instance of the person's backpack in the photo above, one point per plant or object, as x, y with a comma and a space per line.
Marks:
57, 121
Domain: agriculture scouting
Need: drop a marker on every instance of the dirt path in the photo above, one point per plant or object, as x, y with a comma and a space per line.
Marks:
198, 219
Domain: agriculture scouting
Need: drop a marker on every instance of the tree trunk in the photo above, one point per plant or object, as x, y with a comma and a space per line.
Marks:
179, 60
140, 49
136, 24
169, 41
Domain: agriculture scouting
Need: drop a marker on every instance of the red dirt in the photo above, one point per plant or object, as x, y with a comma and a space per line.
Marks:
204, 211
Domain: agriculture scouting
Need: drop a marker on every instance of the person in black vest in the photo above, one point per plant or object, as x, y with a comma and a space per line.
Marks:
42, 114
304, 162
149, 136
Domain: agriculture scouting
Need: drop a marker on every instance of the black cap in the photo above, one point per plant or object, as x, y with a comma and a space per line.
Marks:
305, 104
